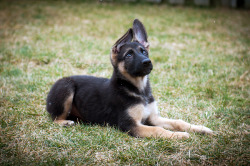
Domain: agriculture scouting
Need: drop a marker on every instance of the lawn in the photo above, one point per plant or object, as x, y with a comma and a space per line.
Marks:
201, 74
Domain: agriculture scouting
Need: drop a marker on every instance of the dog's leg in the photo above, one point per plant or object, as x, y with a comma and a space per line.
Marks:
179, 125
140, 130
61, 120
171, 124
59, 101
157, 132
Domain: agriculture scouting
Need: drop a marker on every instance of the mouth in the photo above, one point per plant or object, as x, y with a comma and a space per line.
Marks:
144, 72
149, 68
147, 71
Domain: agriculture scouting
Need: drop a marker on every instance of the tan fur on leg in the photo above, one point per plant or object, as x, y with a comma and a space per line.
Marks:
61, 120
140, 130
157, 132
180, 125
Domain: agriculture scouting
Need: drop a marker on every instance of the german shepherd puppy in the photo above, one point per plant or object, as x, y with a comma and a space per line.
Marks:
125, 100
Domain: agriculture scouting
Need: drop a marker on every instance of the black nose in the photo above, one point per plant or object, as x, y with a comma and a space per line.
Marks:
146, 62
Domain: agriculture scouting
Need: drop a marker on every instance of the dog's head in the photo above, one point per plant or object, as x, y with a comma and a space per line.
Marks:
130, 53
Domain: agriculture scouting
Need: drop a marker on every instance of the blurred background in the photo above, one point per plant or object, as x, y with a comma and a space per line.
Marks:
201, 3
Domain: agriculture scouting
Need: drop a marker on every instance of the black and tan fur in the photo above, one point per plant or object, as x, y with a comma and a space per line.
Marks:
125, 100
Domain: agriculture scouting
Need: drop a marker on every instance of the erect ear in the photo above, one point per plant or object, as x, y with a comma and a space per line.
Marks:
140, 34
127, 37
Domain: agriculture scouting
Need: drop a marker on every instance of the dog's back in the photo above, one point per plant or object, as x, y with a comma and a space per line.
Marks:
90, 99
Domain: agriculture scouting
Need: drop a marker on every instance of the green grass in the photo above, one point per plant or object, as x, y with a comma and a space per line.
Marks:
201, 58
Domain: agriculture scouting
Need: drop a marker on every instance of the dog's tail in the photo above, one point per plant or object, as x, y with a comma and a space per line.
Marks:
60, 99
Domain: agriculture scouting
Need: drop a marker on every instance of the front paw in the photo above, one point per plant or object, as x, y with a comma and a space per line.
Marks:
205, 130
180, 135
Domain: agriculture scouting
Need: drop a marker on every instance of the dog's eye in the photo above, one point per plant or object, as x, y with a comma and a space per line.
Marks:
144, 52
128, 56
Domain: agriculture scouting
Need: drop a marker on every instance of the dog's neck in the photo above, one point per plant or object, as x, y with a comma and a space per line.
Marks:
138, 82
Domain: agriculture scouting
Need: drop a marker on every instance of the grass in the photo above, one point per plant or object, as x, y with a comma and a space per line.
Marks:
201, 74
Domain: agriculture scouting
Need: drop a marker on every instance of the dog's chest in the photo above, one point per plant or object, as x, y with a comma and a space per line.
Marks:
146, 113
149, 109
